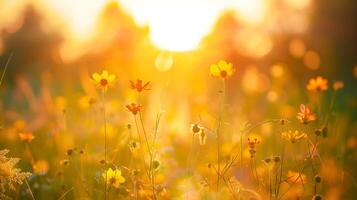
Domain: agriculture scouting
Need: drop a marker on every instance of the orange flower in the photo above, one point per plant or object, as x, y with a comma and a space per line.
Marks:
253, 142
196, 129
103, 80
293, 136
222, 69
138, 85
40, 167
134, 108
317, 84
338, 85
305, 115
26, 136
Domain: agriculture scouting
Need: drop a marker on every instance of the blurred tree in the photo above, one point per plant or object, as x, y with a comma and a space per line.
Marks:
33, 46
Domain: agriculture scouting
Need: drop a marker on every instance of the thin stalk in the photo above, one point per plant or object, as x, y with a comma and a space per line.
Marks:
65, 194
270, 185
141, 147
277, 183
241, 148
219, 135
151, 170
5, 68
105, 143
188, 161
30, 191
281, 170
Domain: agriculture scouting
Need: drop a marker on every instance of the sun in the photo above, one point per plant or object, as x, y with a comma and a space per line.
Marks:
174, 25
180, 25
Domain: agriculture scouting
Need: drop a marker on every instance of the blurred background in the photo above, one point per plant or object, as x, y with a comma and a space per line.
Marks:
276, 46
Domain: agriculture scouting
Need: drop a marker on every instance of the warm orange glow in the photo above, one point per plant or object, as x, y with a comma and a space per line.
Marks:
174, 25
186, 22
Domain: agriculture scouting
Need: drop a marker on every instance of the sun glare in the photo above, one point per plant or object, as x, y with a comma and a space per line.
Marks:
80, 15
174, 25
180, 25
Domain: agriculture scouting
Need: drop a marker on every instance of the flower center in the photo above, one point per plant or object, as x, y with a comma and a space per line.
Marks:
112, 180
224, 73
104, 82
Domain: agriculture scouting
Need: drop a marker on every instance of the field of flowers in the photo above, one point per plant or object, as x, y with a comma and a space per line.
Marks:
233, 119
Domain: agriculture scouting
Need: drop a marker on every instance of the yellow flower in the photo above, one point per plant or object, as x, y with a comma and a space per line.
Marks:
293, 137
104, 80
26, 136
222, 69
317, 84
305, 115
40, 167
113, 177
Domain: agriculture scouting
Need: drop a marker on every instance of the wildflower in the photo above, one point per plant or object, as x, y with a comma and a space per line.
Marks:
293, 137
267, 160
103, 80
156, 164
134, 145
161, 190
318, 132
135, 172
202, 137
113, 177
138, 85
26, 137
338, 85
317, 84
282, 121
296, 178
81, 151
252, 144
318, 179
9, 174
196, 129
271, 159
222, 69
305, 115
134, 108
276, 159
69, 152
64, 162
40, 167
317, 197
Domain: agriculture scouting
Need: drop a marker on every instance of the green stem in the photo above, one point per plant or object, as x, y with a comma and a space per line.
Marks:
218, 134
105, 144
